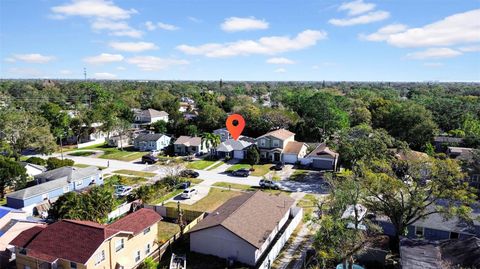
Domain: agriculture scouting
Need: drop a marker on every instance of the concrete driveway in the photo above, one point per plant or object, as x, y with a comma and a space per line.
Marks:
311, 183
202, 191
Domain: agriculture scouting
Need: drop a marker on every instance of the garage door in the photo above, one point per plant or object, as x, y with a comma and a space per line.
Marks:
322, 164
289, 158
237, 154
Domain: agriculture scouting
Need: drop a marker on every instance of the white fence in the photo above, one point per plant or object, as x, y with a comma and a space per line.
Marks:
91, 143
121, 210
297, 214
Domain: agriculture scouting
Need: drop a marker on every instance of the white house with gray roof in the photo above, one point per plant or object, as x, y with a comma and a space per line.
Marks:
146, 142
51, 185
149, 116
231, 148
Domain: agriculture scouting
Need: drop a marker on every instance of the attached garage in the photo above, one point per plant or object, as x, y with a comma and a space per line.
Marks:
239, 154
322, 158
294, 151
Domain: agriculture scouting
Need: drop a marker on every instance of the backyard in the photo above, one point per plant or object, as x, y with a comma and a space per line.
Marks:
166, 230
260, 169
134, 173
215, 198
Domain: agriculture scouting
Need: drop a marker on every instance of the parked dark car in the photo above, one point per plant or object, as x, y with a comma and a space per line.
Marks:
184, 185
241, 173
189, 173
278, 166
149, 159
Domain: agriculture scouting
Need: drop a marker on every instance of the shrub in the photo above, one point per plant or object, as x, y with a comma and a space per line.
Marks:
54, 163
37, 161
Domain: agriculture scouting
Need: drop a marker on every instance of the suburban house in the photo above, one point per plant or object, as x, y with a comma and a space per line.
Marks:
85, 244
148, 117
418, 253
223, 133
33, 169
273, 144
146, 142
322, 157
441, 142
12, 223
119, 141
51, 185
436, 227
244, 227
231, 148
187, 145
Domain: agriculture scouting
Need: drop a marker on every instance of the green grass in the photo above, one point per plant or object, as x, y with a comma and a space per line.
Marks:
134, 173
124, 180
167, 230
166, 197
81, 165
195, 180
260, 169
216, 165
3, 201
82, 153
308, 203
215, 198
234, 186
128, 154
200, 165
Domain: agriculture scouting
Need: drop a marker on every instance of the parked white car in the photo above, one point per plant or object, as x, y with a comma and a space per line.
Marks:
121, 190
265, 183
188, 193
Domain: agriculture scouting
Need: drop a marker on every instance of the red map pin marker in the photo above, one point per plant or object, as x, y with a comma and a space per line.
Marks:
235, 130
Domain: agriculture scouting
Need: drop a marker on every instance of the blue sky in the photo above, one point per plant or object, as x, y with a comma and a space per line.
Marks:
363, 40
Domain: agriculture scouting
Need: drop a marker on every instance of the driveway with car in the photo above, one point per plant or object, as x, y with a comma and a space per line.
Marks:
202, 191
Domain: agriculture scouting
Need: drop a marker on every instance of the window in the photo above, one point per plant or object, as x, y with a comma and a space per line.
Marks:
73, 265
137, 256
454, 235
100, 257
146, 230
119, 245
276, 143
262, 142
419, 231
147, 249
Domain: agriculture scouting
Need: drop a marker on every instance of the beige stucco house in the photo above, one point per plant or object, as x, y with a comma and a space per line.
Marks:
85, 244
280, 146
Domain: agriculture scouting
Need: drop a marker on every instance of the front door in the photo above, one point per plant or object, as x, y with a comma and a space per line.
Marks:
276, 157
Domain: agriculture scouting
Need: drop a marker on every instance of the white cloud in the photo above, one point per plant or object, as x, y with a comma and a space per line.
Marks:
265, 45
110, 25
384, 32
356, 7
434, 64
10, 60
103, 58
133, 46
152, 63
234, 24
370, 17
121, 68
460, 28
470, 49
160, 25
130, 33
280, 60
193, 19
280, 70
434, 53
93, 8
104, 75
65, 72
33, 58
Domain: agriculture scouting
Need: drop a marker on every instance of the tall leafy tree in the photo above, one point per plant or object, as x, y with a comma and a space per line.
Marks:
12, 174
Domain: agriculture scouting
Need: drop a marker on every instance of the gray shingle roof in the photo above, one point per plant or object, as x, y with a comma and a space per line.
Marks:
148, 137
39, 189
188, 141
232, 144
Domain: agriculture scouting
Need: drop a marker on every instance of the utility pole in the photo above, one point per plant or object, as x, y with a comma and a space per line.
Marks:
85, 74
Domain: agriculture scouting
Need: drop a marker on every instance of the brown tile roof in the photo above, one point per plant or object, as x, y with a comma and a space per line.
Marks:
293, 147
322, 151
137, 221
251, 216
281, 134
188, 141
77, 240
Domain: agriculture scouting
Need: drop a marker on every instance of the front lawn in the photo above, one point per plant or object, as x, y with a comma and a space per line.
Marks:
167, 230
128, 154
200, 165
194, 180
81, 165
299, 175
166, 197
234, 186
260, 169
215, 198
124, 180
134, 173
82, 153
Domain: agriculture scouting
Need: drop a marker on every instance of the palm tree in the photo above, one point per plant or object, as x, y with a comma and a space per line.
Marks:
211, 139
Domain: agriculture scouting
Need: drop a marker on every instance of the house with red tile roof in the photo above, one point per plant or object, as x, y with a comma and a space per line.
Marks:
85, 244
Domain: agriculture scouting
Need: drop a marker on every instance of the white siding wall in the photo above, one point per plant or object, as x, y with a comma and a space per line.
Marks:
222, 243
